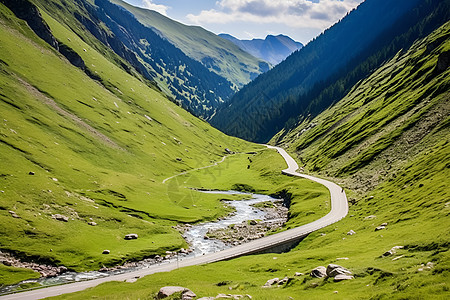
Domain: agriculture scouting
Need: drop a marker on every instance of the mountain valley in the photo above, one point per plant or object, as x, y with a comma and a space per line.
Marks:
103, 135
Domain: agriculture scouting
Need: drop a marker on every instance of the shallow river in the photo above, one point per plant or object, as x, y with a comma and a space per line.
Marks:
194, 236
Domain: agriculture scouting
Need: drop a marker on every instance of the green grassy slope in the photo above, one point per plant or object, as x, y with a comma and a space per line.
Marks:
219, 55
99, 151
398, 120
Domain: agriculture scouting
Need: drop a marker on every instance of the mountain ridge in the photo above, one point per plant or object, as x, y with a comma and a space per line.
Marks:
219, 56
272, 49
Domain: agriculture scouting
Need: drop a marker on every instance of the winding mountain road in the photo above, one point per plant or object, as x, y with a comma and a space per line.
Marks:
339, 209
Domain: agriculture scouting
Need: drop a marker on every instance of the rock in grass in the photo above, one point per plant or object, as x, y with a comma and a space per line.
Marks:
351, 232
271, 282
106, 252
319, 272
168, 291
92, 223
380, 228
14, 215
334, 270
341, 277
131, 236
60, 217
392, 251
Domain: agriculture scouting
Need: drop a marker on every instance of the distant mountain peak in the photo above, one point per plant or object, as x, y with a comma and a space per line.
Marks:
273, 49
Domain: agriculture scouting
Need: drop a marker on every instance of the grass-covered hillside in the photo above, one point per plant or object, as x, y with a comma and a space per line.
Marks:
92, 151
387, 143
217, 54
110, 28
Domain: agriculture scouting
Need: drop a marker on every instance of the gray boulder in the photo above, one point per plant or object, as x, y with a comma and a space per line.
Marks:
334, 270
319, 272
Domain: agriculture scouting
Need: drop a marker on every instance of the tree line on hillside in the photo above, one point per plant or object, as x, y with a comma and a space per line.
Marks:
297, 89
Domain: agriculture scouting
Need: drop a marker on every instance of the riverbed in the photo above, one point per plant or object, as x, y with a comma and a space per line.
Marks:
195, 235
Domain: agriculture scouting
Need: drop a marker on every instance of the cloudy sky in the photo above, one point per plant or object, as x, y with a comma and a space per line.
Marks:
246, 19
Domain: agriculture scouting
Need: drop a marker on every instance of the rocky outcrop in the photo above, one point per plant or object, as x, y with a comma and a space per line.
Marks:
26, 11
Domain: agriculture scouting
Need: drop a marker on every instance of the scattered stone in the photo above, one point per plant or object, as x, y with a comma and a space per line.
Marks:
392, 251
246, 231
179, 159
341, 277
31, 173
384, 224
380, 228
92, 223
45, 270
60, 217
167, 291
106, 252
370, 217
319, 272
131, 236
351, 232
335, 292
430, 265
228, 151
334, 270
14, 215
342, 258
271, 282
298, 274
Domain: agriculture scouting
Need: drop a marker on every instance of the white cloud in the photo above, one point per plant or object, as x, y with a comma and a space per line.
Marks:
293, 13
162, 9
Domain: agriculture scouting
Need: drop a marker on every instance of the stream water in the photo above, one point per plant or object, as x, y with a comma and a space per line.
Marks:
195, 236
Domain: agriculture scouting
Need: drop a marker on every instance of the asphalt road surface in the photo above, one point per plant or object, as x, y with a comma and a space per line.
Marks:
339, 209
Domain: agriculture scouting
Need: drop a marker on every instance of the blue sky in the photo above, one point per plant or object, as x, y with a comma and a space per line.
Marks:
246, 19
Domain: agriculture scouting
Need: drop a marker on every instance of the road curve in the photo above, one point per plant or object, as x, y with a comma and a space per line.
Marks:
339, 209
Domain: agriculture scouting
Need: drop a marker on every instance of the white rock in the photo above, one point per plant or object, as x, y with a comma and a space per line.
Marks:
319, 272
